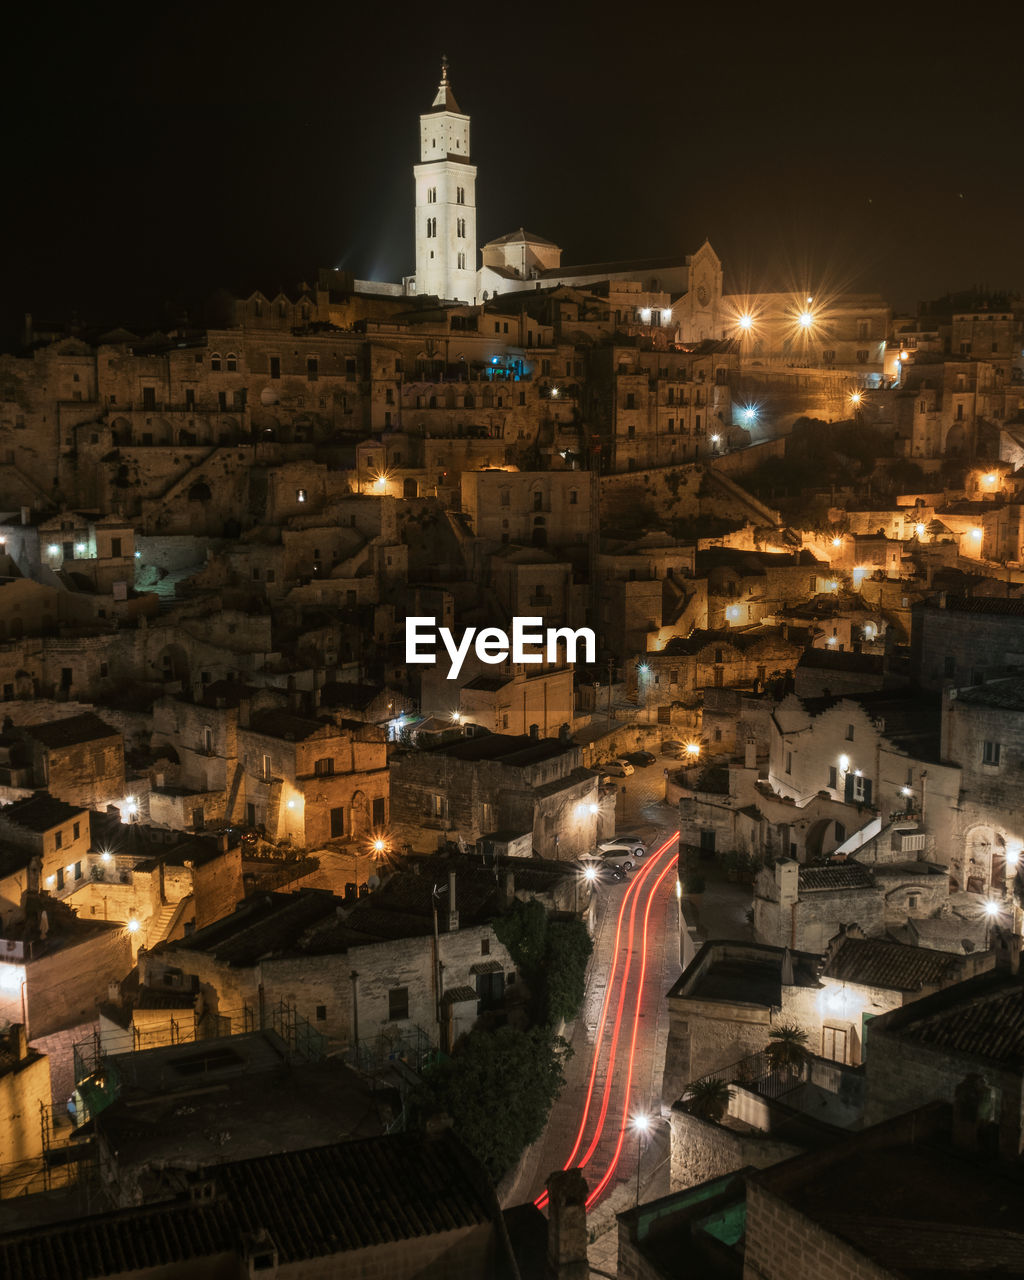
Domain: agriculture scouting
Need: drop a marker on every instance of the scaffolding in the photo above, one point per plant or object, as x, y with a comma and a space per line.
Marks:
61, 1163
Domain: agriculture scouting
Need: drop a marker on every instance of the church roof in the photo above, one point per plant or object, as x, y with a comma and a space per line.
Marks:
444, 99
520, 237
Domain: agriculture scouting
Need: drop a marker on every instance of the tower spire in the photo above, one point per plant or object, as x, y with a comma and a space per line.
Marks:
444, 99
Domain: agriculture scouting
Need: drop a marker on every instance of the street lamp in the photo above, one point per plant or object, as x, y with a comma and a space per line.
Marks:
641, 1123
588, 874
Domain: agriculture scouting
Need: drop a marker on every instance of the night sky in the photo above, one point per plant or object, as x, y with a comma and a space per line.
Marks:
156, 152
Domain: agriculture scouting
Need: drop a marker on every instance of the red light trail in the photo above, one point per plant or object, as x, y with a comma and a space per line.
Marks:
631, 900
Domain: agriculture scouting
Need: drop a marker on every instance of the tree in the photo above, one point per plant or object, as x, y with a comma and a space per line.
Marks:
569, 947
523, 930
498, 1088
708, 1098
788, 1047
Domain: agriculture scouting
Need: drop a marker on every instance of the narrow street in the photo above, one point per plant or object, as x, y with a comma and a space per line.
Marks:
618, 1040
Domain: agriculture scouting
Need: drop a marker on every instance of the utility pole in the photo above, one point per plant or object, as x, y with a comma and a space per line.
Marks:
611, 666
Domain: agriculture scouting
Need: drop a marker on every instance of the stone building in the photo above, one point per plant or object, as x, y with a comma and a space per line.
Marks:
522, 784
982, 732
45, 844
926, 1050
365, 970
966, 640
250, 1217
540, 509
79, 759
24, 1093
307, 780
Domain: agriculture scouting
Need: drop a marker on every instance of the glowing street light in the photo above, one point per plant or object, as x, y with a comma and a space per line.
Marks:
666, 315
133, 926
855, 397
805, 319
746, 322
919, 530
456, 717
749, 413
837, 542
976, 534
715, 439
693, 750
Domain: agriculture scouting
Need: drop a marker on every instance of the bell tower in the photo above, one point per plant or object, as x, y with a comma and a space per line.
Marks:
445, 201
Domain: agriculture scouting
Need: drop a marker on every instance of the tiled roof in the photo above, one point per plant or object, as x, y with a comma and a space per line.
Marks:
845, 875
1008, 694
312, 1204
979, 604
874, 962
263, 924
989, 1026
459, 995
40, 812
70, 732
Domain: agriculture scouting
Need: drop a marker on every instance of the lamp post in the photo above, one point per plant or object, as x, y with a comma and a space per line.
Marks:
641, 1123
589, 874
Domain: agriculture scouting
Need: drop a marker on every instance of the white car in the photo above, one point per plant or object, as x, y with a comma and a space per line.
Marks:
618, 768
634, 844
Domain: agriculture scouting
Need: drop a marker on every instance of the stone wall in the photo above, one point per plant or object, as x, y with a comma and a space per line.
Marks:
64, 987
702, 1150
781, 1244
24, 1087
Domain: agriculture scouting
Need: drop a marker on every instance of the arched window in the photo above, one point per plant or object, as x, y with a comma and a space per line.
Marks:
232, 362
215, 361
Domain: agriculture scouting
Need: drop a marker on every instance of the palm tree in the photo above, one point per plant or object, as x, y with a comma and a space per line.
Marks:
788, 1047
708, 1098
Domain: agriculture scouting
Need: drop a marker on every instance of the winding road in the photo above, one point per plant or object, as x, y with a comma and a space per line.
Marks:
615, 1070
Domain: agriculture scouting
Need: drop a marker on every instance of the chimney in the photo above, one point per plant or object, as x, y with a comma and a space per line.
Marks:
535, 731
243, 713
750, 754
564, 733
26, 515
197, 692
453, 913
567, 1226
19, 1041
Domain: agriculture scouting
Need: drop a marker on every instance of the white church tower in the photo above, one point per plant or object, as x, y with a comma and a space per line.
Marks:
445, 201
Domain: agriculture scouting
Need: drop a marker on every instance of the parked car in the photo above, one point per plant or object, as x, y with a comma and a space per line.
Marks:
618, 768
634, 843
640, 758
618, 855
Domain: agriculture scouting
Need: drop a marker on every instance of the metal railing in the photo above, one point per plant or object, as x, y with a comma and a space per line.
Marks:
760, 1073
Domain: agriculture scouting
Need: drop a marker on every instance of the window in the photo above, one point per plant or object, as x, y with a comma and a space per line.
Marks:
573, 497
860, 789
232, 363
215, 361
300, 495
78, 871
58, 840
275, 366
862, 357
913, 899
485, 946
990, 753
378, 814
338, 823
398, 1003
60, 877
949, 665
849, 727
833, 777
312, 369
321, 1013
266, 769
789, 762
840, 833
324, 767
